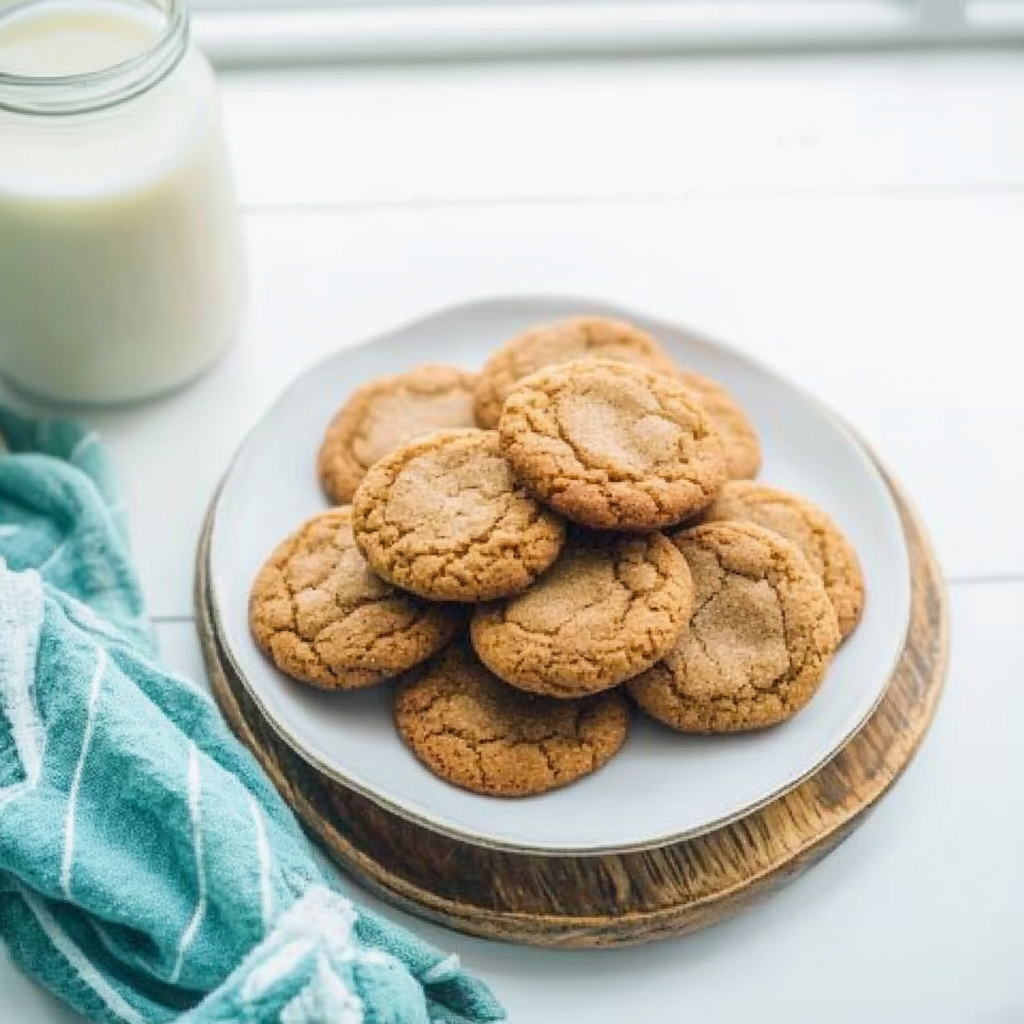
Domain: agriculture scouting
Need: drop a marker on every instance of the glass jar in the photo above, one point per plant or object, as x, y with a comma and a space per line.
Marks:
121, 264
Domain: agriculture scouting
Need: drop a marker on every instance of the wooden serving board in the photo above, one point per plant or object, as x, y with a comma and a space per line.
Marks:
574, 901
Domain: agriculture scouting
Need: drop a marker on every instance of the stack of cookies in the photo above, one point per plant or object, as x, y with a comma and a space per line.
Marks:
534, 549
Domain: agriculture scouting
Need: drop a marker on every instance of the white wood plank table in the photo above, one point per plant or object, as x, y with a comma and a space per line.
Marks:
856, 222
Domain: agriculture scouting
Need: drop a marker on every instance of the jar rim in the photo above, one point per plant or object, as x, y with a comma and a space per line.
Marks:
88, 91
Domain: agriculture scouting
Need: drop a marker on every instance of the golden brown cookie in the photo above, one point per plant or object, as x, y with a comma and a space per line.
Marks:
561, 342
612, 446
739, 438
831, 555
610, 607
761, 637
324, 618
386, 413
472, 730
442, 517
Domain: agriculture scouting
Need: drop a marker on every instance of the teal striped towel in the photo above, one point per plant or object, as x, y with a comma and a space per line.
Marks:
149, 872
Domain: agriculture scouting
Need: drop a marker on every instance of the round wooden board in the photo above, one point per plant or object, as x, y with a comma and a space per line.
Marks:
577, 901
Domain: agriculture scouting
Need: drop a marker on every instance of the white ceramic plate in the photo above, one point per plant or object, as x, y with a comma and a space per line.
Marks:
663, 785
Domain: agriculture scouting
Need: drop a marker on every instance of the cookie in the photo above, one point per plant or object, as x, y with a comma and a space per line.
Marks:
385, 414
442, 517
324, 618
831, 555
761, 637
739, 438
610, 607
473, 731
612, 446
562, 342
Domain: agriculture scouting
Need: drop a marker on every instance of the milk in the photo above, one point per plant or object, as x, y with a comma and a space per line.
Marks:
61, 38
121, 270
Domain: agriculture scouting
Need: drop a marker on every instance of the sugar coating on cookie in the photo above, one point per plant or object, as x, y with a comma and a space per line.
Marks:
822, 543
386, 413
474, 731
562, 342
739, 436
324, 618
610, 607
612, 446
761, 637
443, 517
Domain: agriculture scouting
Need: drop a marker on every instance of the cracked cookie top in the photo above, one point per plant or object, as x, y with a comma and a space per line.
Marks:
324, 618
610, 607
442, 517
612, 446
562, 342
472, 730
761, 636
822, 543
386, 413
739, 438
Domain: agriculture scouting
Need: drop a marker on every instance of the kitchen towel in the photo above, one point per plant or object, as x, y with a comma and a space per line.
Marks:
149, 871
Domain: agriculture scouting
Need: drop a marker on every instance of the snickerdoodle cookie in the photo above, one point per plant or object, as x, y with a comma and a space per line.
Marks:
386, 413
443, 517
561, 342
798, 520
610, 607
739, 437
612, 446
324, 618
762, 634
472, 730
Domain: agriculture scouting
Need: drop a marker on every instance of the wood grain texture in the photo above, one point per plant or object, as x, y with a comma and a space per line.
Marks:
577, 901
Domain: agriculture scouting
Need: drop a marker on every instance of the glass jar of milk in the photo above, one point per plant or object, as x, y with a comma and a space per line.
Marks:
121, 267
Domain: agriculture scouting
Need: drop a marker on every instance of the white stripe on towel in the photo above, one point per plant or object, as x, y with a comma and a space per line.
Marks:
78, 961
85, 618
195, 813
318, 922
8, 794
325, 991
85, 442
21, 618
263, 854
53, 556
279, 959
443, 970
76, 781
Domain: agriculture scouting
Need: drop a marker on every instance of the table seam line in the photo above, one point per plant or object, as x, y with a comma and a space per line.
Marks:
1006, 189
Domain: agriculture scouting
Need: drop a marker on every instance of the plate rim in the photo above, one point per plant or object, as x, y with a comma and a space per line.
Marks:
320, 764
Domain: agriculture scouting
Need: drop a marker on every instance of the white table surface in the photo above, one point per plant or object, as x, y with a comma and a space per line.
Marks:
855, 221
